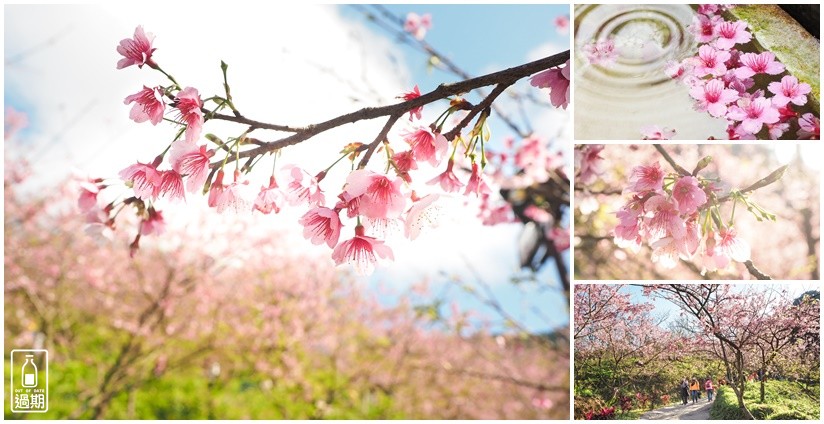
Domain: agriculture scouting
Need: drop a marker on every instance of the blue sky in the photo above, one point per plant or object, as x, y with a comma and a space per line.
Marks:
68, 84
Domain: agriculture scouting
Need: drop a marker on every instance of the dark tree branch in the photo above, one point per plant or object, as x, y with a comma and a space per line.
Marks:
505, 77
678, 168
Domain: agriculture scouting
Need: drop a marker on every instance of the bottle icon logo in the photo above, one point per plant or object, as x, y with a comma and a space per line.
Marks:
29, 380
29, 372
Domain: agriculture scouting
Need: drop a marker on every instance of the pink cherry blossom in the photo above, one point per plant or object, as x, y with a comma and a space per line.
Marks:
710, 61
154, 224
675, 69
760, 63
753, 113
663, 220
380, 197
88, 196
136, 51
777, 130
557, 80
148, 105
588, 163
189, 106
709, 9
235, 197
350, 203
427, 145
666, 251
13, 122
559, 237
361, 251
270, 198
417, 25
789, 90
562, 24
809, 127
447, 180
601, 52
145, 180
411, 95
646, 178
302, 187
688, 195
730, 245
216, 189
321, 225
713, 258
627, 233
192, 161
654, 132
732, 33
476, 183
404, 162
731, 81
712, 97
423, 214
704, 28
171, 185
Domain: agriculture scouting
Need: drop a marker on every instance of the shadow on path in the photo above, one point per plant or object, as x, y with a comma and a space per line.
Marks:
692, 411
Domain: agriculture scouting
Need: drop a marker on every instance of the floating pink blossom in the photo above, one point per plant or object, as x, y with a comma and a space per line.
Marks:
559, 237
476, 183
704, 28
145, 180
189, 106
302, 187
688, 195
192, 161
270, 198
171, 185
712, 97
732, 82
789, 90
646, 178
711, 61
732, 246
88, 196
557, 81
588, 163
761, 63
732, 33
235, 197
321, 225
136, 51
148, 105
601, 52
417, 25
654, 132
562, 24
411, 95
154, 224
753, 113
675, 69
427, 145
447, 180
810, 127
380, 197
423, 214
664, 220
361, 251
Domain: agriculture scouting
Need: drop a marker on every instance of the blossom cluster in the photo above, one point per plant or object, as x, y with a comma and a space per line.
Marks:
379, 203
722, 81
557, 81
678, 217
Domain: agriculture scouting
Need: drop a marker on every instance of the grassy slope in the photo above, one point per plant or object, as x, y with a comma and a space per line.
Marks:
784, 401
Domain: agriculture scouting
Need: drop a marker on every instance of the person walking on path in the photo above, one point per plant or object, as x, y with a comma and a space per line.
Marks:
685, 388
708, 387
694, 388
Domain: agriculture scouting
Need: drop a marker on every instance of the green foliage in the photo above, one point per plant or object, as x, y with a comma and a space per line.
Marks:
785, 400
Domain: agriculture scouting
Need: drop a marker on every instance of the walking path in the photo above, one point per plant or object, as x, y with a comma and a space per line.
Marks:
693, 411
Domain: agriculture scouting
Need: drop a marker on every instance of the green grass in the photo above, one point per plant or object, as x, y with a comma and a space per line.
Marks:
784, 400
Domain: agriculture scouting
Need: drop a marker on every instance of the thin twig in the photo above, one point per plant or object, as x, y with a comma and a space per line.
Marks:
678, 168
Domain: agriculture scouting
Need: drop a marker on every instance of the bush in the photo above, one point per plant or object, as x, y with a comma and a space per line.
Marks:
725, 406
761, 410
788, 414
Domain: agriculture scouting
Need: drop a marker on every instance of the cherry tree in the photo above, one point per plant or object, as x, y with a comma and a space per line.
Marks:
680, 209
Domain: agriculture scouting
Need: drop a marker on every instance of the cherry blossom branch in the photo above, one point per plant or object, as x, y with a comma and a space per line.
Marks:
678, 168
505, 77
755, 271
253, 124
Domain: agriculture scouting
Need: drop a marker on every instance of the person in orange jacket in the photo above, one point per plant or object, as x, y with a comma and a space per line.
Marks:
694, 388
